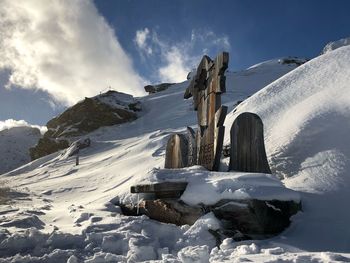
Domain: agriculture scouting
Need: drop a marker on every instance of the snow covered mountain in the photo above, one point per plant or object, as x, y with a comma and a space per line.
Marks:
306, 118
15, 143
336, 44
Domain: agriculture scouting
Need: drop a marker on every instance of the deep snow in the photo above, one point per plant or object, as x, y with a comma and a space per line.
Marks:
15, 143
306, 117
336, 44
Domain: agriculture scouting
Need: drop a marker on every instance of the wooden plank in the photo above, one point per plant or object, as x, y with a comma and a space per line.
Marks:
247, 153
192, 149
158, 187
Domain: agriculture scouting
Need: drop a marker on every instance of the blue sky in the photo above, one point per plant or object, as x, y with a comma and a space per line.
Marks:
256, 30
56, 53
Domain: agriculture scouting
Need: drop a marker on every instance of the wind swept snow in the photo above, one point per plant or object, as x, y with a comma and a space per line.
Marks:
306, 116
336, 44
67, 213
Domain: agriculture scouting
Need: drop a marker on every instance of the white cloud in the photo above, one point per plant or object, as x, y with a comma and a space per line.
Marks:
63, 47
177, 59
10, 123
141, 41
176, 68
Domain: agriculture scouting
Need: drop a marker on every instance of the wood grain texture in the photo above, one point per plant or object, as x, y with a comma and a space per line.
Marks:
161, 190
247, 153
206, 88
176, 152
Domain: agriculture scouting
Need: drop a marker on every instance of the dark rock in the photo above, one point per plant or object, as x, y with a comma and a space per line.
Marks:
106, 109
47, 146
226, 150
167, 211
255, 219
87, 116
157, 88
293, 60
241, 219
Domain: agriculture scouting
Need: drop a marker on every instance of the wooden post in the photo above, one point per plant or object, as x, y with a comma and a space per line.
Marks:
176, 152
77, 159
192, 149
247, 153
206, 88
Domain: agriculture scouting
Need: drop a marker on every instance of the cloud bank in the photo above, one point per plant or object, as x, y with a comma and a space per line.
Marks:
10, 123
65, 48
178, 58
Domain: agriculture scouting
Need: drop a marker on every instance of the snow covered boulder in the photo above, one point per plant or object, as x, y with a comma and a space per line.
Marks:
106, 109
157, 88
292, 61
90, 114
248, 205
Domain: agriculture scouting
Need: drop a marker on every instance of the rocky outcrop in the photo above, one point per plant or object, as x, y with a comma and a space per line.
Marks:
106, 109
157, 88
293, 60
241, 219
249, 206
46, 146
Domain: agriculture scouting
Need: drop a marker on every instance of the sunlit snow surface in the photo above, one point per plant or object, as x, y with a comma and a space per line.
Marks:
69, 212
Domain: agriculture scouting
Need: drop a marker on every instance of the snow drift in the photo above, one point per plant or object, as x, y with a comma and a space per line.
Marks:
306, 118
336, 44
307, 121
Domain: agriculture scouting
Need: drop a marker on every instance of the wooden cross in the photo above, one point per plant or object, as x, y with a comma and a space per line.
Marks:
206, 88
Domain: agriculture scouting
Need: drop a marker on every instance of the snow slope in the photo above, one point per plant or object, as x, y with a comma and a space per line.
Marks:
307, 122
336, 44
15, 143
74, 206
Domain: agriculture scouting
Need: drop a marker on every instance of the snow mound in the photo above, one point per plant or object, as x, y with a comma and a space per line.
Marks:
306, 116
336, 44
223, 185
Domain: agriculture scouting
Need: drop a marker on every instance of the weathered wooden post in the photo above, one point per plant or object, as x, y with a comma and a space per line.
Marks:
176, 152
192, 148
206, 88
247, 153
